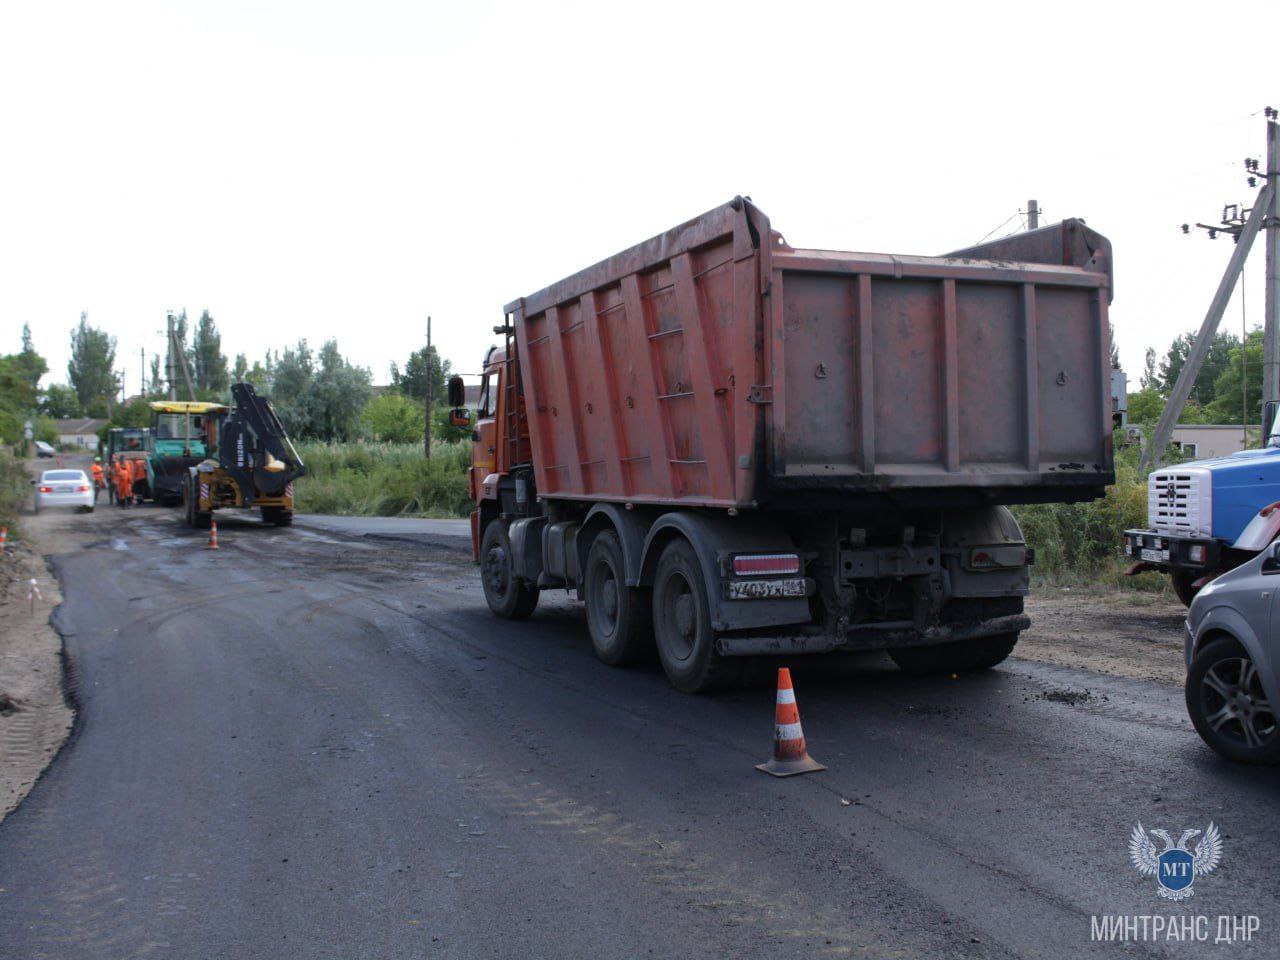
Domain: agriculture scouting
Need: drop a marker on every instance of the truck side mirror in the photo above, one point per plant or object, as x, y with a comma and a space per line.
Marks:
1268, 419
460, 418
457, 393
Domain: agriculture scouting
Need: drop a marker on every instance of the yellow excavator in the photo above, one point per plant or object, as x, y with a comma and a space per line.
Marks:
251, 463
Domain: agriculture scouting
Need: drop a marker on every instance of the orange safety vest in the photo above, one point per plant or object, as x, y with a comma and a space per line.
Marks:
97, 474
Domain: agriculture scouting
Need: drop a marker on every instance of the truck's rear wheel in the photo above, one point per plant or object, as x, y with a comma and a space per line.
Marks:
619, 617
1182, 585
963, 656
507, 597
682, 624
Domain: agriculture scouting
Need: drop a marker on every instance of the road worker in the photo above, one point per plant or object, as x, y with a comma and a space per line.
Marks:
98, 481
124, 482
138, 478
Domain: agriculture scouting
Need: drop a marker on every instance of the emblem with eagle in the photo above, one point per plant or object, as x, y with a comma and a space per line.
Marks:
1175, 868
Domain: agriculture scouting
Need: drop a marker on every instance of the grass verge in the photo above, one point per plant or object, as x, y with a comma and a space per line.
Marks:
384, 479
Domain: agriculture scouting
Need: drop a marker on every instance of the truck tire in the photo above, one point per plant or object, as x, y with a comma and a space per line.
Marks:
1228, 706
1182, 585
682, 624
278, 516
619, 618
964, 656
507, 597
188, 505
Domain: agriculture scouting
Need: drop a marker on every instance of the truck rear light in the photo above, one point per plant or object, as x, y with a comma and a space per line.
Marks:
1196, 553
995, 558
766, 564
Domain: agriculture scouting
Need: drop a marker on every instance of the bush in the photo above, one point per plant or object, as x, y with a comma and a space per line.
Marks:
1083, 540
14, 487
384, 479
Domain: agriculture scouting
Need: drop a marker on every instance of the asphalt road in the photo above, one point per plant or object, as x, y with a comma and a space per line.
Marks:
308, 744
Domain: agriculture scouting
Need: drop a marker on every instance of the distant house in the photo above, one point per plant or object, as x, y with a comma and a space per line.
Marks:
1205, 440
80, 432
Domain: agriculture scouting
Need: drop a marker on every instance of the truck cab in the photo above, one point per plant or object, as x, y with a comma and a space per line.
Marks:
1209, 516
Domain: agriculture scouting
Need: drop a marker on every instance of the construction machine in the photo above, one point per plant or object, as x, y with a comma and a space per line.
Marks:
250, 463
178, 441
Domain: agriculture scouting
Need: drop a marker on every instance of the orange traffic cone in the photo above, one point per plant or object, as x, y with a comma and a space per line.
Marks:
213, 534
789, 753
4, 538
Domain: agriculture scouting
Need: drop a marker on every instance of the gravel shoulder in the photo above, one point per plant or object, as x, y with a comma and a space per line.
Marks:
1120, 633
35, 718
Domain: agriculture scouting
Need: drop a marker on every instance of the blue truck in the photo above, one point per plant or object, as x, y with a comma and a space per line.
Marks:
1209, 516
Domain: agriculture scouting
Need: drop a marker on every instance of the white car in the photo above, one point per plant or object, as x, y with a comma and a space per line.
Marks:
64, 488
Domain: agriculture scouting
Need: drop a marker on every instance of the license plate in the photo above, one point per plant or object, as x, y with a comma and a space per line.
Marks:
765, 589
1156, 556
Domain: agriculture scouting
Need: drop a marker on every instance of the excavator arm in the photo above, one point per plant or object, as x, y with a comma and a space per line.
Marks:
254, 448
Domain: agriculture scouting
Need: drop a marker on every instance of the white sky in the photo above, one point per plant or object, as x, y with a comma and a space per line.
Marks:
323, 169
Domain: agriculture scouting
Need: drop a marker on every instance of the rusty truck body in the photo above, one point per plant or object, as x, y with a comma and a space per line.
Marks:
731, 447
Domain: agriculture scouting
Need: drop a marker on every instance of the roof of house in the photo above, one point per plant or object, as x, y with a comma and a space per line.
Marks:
79, 425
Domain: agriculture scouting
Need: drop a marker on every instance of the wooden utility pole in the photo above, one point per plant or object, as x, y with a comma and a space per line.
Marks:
1033, 215
426, 427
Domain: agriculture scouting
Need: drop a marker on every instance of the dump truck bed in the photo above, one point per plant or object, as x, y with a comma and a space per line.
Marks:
716, 365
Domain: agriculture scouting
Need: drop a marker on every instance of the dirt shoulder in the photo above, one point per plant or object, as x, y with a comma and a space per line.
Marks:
1122, 633
34, 717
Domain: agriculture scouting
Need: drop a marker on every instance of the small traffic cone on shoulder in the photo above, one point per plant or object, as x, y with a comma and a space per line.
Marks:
4, 539
213, 534
790, 755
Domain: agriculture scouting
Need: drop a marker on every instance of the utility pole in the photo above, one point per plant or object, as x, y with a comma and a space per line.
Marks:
170, 373
426, 426
1271, 328
142, 381
1244, 231
1033, 215
1242, 225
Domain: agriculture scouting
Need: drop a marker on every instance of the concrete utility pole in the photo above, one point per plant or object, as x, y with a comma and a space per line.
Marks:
1244, 235
1033, 215
426, 427
1271, 335
142, 381
171, 372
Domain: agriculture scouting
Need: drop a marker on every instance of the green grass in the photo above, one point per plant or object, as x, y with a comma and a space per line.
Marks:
384, 479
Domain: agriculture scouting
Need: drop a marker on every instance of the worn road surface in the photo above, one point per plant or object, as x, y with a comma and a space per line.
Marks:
321, 744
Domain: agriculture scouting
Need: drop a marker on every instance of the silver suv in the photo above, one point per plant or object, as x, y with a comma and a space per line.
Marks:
1233, 660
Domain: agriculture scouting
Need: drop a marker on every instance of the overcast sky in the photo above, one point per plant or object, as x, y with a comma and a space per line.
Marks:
323, 169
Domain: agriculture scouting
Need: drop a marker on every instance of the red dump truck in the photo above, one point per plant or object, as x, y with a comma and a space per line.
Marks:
730, 447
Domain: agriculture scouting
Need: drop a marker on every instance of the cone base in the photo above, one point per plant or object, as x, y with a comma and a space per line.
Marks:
790, 768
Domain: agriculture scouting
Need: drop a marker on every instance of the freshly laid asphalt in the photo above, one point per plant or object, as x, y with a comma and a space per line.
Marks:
316, 743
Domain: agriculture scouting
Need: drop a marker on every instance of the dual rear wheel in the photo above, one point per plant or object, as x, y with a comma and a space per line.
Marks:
627, 623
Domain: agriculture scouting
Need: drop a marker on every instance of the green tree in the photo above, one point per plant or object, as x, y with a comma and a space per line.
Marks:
337, 395
1215, 362
208, 364
1150, 380
393, 418
413, 382
1145, 405
91, 369
60, 402
1232, 399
